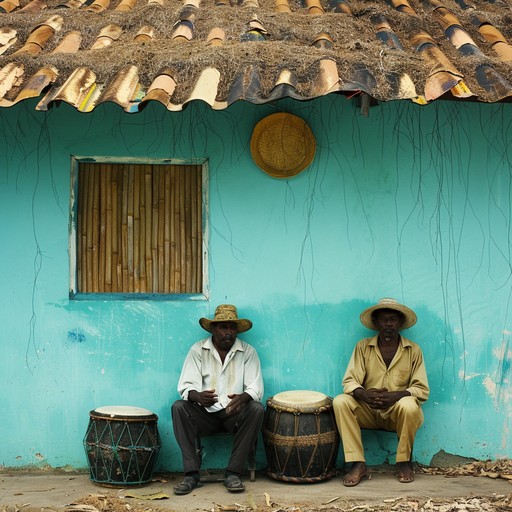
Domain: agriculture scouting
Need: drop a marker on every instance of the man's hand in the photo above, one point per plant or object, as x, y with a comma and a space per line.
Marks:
237, 402
206, 398
379, 398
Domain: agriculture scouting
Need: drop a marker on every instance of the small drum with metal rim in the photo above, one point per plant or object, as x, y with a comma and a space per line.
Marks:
122, 445
300, 436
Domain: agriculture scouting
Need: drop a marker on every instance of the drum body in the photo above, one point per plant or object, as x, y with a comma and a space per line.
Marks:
300, 436
122, 445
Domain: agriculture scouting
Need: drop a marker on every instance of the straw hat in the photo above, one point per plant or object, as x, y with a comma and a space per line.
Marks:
226, 313
387, 303
282, 145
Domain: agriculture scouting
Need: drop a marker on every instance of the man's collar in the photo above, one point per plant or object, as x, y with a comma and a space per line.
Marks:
403, 341
208, 344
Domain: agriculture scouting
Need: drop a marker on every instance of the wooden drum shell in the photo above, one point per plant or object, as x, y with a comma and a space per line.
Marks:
121, 449
301, 440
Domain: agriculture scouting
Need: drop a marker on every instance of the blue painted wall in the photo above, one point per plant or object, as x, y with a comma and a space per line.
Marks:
411, 202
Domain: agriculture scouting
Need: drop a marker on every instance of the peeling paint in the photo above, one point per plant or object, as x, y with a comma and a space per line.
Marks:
505, 436
465, 376
76, 336
504, 371
490, 386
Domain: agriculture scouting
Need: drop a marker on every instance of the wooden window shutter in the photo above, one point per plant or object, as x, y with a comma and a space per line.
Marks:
139, 228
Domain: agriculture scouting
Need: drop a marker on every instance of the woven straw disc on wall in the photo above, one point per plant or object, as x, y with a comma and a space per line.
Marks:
282, 145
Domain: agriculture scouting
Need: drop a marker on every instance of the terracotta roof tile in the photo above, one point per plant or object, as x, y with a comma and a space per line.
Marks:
314, 7
9, 5
216, 37
125, 5
403, 6
7, 38
70, 43
282, 6
98, 6
145, 34
34, 6
131, 52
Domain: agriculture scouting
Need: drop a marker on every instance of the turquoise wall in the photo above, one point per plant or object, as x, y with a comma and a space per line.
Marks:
410, 202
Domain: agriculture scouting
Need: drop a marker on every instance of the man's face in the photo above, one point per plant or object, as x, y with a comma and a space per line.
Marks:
224, 335
388, 322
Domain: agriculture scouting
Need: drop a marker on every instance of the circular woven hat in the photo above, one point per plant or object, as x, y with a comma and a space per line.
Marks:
388, 303
282, 145
226, 313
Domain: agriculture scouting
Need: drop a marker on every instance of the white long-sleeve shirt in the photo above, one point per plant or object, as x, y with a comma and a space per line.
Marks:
203, 369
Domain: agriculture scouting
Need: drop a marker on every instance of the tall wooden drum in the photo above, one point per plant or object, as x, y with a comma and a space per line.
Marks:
122, 445
300, 436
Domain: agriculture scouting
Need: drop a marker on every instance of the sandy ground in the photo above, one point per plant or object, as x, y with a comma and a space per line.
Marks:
472, 487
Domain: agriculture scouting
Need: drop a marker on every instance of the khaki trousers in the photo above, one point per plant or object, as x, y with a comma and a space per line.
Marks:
404, 418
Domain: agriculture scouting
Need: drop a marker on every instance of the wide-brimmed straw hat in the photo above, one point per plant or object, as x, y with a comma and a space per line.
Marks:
282, 145
226, 313
387, 303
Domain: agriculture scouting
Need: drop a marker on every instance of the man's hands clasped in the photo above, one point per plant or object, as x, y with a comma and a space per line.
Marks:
209, 397
379, 398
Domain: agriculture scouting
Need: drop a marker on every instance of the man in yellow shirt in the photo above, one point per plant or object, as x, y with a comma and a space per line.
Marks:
383, 388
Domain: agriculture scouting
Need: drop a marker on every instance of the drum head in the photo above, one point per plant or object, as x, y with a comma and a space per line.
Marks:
301, 400
121, 411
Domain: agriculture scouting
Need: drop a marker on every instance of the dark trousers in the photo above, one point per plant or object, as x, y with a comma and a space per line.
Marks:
190, 420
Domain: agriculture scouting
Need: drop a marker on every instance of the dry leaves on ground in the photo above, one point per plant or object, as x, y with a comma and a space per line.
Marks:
106, 503
497, 503
493, 469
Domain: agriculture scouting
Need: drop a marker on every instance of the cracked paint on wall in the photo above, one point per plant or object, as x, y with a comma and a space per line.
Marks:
500, 387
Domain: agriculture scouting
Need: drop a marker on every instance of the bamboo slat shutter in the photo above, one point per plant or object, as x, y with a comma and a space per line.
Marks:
139, 228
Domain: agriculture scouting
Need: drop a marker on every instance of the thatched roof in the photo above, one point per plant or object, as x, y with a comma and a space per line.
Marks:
86, 52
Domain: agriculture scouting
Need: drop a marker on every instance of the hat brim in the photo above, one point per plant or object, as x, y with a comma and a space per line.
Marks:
243, 324
282, 145
409, 315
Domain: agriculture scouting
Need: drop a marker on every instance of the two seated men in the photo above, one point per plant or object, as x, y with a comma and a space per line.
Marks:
221, 388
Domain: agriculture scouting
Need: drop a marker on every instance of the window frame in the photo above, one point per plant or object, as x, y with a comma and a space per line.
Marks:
74, 293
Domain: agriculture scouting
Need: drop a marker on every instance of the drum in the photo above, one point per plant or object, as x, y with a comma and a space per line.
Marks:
300, 437
122, 445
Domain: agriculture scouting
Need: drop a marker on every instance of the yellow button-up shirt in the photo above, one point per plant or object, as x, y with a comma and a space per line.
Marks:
406, 371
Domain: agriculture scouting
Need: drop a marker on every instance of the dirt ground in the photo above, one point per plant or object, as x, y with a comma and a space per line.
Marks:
494, 503
268, 496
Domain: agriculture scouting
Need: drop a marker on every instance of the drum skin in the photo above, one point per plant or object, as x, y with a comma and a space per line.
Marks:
301, 440
121, 449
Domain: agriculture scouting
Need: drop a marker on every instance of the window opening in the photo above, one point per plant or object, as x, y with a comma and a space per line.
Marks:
139, 228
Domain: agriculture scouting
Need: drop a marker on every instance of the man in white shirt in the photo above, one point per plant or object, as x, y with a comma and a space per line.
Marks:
221, 387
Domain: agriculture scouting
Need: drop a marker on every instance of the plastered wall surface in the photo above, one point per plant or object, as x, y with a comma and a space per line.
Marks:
410, 202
